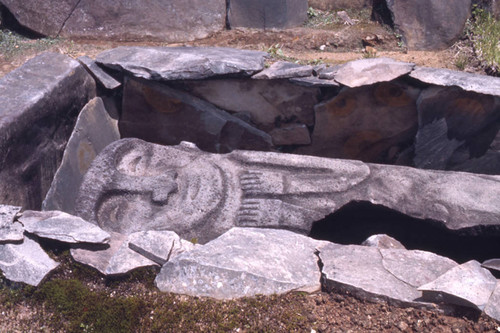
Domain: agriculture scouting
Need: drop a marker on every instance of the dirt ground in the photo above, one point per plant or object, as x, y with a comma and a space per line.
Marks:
320, 42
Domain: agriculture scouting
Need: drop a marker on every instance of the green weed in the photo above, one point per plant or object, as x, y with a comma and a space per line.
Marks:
12, 44
484, 32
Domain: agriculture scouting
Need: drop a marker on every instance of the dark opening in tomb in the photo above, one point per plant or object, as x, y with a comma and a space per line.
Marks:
356, 221
381, 13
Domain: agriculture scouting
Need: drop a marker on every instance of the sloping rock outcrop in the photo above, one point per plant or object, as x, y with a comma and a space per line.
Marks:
40, 102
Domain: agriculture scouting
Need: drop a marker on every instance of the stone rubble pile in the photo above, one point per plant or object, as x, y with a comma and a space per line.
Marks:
123, 203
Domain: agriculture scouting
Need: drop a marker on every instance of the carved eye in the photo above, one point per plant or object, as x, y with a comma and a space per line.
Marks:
135, 162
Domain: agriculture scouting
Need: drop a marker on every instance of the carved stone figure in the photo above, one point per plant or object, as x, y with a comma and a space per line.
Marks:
137, 186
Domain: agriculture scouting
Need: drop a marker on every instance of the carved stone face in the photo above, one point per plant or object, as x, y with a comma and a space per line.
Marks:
151, 187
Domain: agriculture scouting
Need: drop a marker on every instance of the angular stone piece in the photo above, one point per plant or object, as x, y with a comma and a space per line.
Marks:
132, 20
244, 262
182, 63
429, 24
158, 246
265, 14
492, 309
284, 70
12, 233
8, 214
160, 114
392, 275
383, 241
25, 262
117, 259
369, 71
294, 134
480, 84
467, 285
94, 130
267, 101
62, 227
492, 264
40, 102
433, 149
138, 186
364, 123
45, 17
103, 78
314, 81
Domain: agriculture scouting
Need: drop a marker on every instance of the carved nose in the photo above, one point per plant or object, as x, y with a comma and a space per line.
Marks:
162, 186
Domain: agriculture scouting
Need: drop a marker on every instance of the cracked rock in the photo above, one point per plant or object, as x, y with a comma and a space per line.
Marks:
244, 262
387, 274
62, 227
158, 246
25, 262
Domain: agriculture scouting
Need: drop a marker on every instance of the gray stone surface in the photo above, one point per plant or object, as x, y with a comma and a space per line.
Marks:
157, 113
365, 122
314, 81
103, 78
8, 214
10, 231
62, 227
266, 101
137, 186
94, 130
284, 70
429, 24
492, 309
383, 241
244, 262
467, 285
265, 14
45, 17
159, 246
480, 84
391, 275
40, 102
368, 71
293, 134
492, 264
132, 20
182, 63
25, 262
115, 259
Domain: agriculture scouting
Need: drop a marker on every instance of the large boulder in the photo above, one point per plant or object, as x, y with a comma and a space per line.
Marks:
265, 14
165, 20
39, 104
429, 24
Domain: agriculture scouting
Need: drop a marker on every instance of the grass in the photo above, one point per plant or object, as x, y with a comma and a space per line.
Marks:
13, 44
328, 19
484, 32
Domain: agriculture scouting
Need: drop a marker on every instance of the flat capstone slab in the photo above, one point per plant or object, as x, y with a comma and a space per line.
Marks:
244, 262
481, 84
182, 63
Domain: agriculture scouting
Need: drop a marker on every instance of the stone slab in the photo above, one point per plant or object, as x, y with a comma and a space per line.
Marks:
244, 262
116, 259
380, 274
492, 309
94, 130
159, 246
467, 285
40, 102
284, 70
266, 101
492, 264
480, 84
8, 214
314, 81
157, 113
182, 63
62, 227
368, 71
266, 14
103, 78
25, 262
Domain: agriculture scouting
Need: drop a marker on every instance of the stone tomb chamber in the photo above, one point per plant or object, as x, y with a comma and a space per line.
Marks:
236, 176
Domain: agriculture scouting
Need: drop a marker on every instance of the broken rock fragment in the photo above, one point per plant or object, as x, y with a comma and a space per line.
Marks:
467, 285
158, 246
115, 258
26, 262
244, 262
62, 227
383, 241
10, 231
